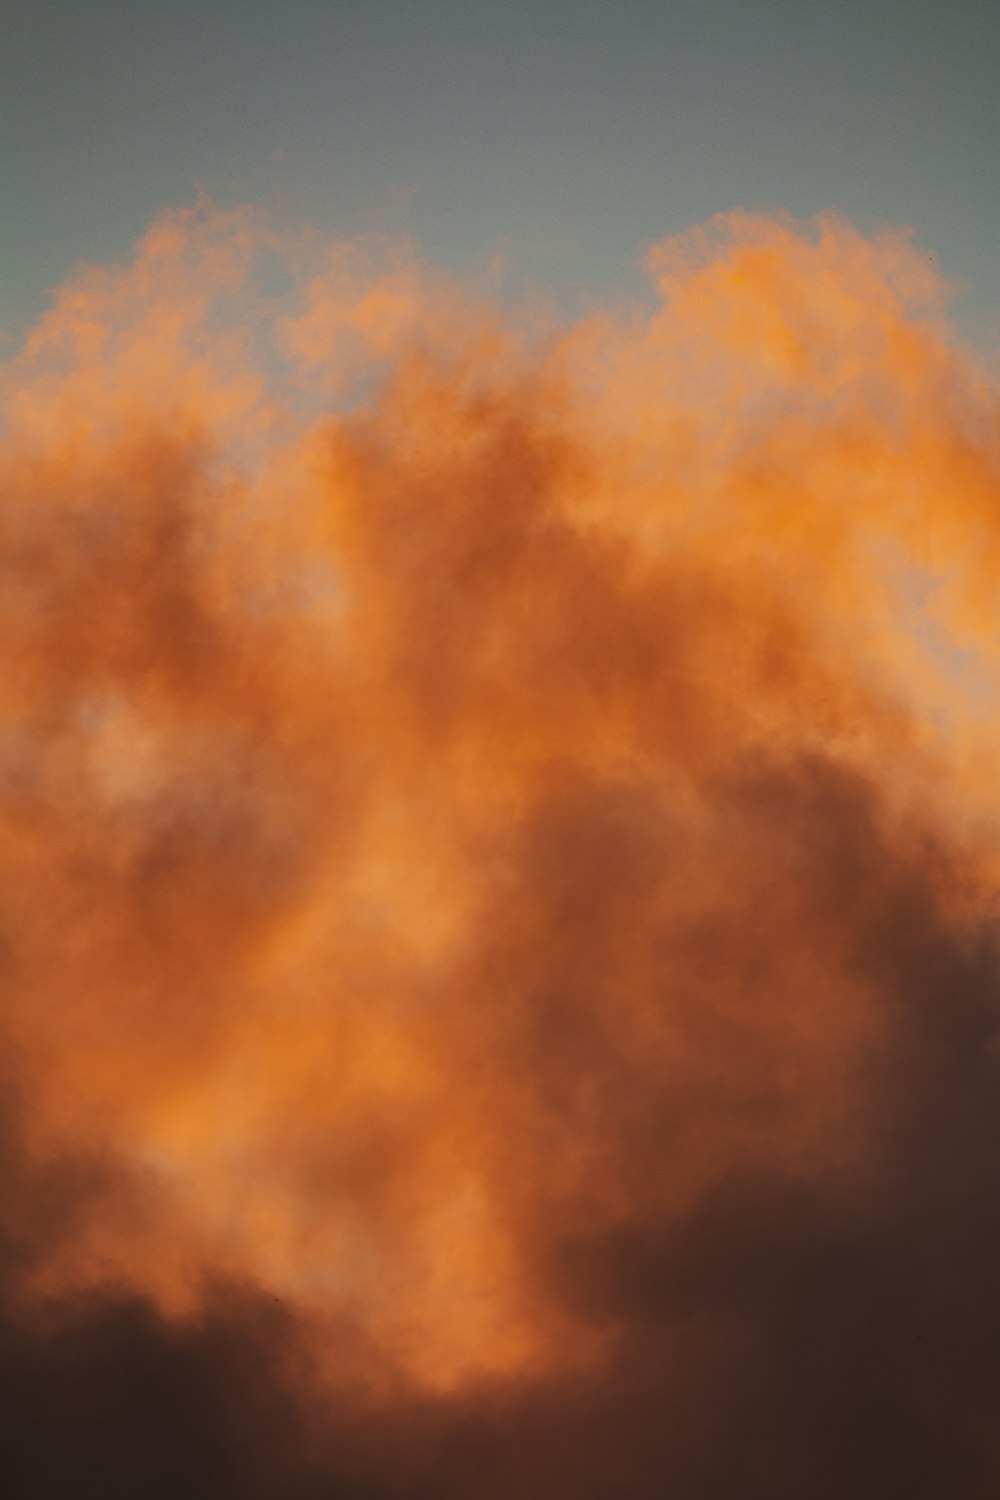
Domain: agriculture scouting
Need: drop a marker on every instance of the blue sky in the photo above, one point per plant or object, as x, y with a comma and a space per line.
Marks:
562, 135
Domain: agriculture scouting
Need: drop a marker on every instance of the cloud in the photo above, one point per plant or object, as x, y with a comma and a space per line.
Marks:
498, 880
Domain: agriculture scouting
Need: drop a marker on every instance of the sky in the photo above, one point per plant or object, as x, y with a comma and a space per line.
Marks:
562, 136
499, 778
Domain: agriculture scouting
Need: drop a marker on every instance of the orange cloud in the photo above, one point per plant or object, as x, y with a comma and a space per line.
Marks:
471, 795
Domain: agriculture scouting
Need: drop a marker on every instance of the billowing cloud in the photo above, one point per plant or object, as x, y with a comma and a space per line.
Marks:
499, 871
